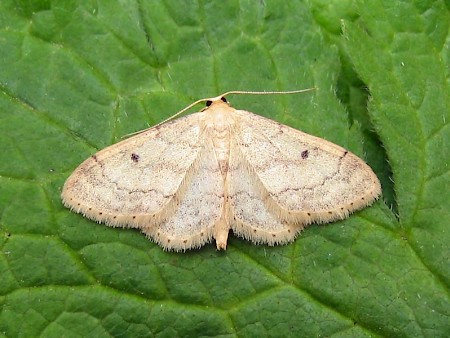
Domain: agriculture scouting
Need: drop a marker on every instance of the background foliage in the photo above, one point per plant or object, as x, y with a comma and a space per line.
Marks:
77, 75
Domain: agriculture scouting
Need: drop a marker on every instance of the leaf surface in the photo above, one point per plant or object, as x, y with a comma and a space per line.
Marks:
76, 76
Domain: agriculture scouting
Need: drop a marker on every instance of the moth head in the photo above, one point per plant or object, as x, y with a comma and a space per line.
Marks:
210, 102
216, 100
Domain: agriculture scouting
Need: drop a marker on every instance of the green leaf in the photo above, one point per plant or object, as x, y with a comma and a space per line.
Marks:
76, 76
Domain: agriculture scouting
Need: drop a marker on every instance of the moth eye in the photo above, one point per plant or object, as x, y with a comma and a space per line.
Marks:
224, 99
208, 103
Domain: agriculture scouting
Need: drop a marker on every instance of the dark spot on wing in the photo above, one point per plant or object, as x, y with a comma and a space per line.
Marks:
305, 154
135, 157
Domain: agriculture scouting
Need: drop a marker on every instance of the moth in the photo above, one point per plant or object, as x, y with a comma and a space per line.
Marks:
192, 179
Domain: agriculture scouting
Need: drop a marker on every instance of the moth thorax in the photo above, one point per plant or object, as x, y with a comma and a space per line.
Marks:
221, 123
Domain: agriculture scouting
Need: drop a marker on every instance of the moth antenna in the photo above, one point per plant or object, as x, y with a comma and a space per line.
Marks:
231, 92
